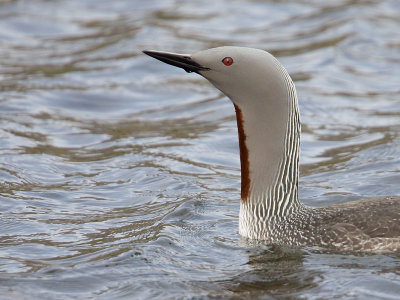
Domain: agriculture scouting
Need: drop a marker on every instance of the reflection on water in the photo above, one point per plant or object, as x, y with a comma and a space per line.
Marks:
119, 176
278, 271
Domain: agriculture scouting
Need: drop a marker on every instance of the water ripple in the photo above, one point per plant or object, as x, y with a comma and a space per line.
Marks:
120, 175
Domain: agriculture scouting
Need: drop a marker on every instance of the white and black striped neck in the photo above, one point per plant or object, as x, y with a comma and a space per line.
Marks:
269, 139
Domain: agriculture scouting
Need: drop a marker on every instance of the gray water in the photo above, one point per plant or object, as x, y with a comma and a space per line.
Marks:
120, 175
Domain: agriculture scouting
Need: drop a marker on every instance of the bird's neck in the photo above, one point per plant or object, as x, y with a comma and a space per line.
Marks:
269, 141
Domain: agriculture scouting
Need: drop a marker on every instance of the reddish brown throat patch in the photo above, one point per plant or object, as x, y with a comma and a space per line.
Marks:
244, 156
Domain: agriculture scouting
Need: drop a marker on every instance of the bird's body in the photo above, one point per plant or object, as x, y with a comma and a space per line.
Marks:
370, 225
268, 121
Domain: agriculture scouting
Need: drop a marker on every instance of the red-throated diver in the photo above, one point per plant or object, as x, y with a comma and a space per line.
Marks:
268, 121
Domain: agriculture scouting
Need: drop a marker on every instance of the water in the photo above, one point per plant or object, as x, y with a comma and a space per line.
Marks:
120, 175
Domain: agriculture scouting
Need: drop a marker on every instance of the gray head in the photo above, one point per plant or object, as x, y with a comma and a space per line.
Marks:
243, 74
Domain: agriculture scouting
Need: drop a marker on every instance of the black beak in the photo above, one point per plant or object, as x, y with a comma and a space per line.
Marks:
183, 61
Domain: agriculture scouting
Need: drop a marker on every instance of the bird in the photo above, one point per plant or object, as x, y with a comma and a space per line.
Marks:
268, 121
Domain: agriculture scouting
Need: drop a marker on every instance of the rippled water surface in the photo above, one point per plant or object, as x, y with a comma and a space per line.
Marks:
120, 175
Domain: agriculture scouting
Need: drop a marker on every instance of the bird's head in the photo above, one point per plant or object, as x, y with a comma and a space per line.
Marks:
243, 74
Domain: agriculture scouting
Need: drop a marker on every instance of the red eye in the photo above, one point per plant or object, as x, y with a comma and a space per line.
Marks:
227, 61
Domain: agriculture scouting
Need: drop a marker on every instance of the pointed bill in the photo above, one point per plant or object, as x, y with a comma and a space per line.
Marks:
183, 61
